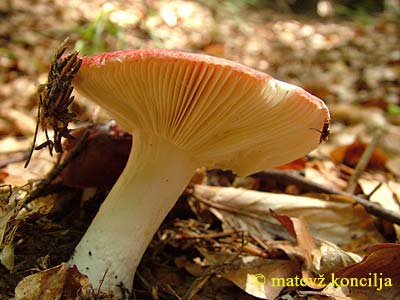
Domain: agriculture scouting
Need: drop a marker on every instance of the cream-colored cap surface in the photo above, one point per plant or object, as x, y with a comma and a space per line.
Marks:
224, 114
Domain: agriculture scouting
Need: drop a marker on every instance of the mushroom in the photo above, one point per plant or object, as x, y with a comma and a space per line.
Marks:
184, 111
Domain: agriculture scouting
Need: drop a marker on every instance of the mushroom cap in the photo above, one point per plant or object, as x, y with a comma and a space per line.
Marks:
223, 114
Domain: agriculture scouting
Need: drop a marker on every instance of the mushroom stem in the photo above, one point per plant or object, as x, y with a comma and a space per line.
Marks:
156, 174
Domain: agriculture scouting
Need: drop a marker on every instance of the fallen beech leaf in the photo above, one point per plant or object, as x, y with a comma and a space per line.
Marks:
199, 176
355, 114
7, 256
286, 222
298, 228
3, 176
329, 258
256, 276
341, 223
60, 282
326, 173
336, 293
381, 270
215, 50
351, 154
393, 165
23, 122
395, 188
190, 266
41, 164
381, 258
384, 195
9, 222
13, 144
298, 164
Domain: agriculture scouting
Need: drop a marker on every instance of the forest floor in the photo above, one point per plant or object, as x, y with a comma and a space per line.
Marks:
213, 244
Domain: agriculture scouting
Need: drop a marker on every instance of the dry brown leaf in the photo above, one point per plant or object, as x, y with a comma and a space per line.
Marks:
384, 195
255, 275
323, 260
329, 258
351, 154
326, 173
60, 282
7, 255
379, 272
299, 230
9, 223
3, 176
193, 268
13, 144
298, 164
41, 164
381, 258
12, 214
335, 293
17, 175
393, 165
341, 223
391, 139
23, 123
354, 113
395, 188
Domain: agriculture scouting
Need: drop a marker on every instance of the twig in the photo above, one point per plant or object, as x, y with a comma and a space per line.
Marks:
58, 169
374, 190
363, 162
148, 285
171, 290
205, 236
260, 242
199, 282
227, 208
371, 207
101, 281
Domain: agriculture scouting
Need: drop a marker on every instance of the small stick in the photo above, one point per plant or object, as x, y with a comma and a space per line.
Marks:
206, 236
171, 290
374, 190
201, 281
227, 208
370, 207
363, 162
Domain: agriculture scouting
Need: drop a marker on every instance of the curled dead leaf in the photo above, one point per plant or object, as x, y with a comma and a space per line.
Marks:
351, 154
377, 276
258, 277
7, 256
60, 282
249, 210
329, 258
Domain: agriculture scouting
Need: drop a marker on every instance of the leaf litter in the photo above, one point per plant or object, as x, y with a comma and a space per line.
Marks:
219, 242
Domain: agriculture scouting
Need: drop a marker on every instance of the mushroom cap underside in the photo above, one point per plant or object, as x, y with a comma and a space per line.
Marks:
224, 114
